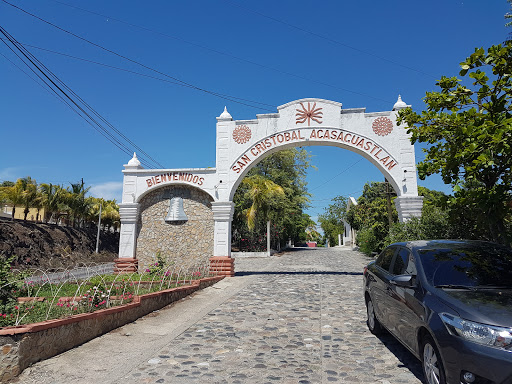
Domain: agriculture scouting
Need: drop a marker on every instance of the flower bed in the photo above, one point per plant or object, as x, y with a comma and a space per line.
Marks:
24, 345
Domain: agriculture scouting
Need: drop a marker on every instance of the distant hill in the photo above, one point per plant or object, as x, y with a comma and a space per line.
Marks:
49, 246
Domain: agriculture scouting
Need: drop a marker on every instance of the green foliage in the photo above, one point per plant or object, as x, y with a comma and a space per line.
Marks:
508, 17
58, 201
159, 267
367, 240
433, 224
371, 216
468, 129
262, 192
14, 195
110, 217
6, 278
286, 169
331, 220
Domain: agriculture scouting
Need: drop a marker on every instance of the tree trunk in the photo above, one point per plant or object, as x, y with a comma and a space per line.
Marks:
13, 212
25, 212
268, 238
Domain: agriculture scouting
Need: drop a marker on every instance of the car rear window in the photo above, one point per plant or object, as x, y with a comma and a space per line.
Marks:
469, 265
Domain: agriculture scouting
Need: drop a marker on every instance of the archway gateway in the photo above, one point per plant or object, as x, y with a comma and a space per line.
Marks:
241, 144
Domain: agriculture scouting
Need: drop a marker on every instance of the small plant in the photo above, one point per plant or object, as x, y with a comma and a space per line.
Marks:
95, 298
159, 267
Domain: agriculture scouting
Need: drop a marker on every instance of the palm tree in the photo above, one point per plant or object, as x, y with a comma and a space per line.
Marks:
110, 215
77, 203
29, 194
52, 200
38, 202
13, 195
262, 192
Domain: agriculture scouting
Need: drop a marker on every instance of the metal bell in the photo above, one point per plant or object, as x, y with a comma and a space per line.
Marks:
176, 211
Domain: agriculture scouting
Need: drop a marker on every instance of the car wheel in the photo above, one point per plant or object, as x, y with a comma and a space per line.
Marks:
373, 324
433, 368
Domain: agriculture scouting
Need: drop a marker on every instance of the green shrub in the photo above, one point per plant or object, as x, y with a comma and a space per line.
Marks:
367, 241
433, 224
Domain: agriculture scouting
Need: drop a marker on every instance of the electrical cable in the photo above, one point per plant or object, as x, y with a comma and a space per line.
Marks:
50, 82
22, 70
329, 39
229, 98
132, 72
226, 54
328, 181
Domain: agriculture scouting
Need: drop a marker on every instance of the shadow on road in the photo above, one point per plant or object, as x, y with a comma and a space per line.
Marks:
249, 273
407, 359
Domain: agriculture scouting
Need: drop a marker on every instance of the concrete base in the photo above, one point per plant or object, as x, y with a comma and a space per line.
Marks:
222, 266
125, 265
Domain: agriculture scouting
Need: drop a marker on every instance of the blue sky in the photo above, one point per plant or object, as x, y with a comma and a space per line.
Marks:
362, 54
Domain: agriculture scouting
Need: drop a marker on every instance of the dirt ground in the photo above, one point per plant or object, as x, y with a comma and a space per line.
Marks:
51, 247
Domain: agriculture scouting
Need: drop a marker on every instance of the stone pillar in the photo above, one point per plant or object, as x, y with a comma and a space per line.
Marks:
221, 263
127, 262
408, 206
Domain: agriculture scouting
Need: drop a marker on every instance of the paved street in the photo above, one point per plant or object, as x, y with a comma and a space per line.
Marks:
297, 318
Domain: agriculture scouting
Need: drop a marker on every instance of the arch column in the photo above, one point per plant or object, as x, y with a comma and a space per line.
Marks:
408, 206
127, 263
221, 263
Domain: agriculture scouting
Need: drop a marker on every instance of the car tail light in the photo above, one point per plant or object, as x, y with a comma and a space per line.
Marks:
364, 270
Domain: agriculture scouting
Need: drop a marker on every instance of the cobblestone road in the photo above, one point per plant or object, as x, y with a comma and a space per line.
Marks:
299, 318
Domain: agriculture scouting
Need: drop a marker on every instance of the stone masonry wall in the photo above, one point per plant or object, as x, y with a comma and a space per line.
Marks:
182, 243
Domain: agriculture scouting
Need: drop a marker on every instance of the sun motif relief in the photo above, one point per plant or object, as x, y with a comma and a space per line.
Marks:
311, 113
382, 126
242, 134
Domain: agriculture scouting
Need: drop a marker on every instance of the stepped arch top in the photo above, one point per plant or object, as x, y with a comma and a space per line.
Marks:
241, 144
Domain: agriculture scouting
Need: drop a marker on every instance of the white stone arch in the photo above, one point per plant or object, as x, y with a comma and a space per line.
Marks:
241, 144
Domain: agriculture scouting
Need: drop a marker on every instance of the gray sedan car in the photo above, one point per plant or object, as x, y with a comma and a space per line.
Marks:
448, 302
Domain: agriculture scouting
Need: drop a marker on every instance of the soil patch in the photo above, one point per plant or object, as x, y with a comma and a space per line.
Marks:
51, 247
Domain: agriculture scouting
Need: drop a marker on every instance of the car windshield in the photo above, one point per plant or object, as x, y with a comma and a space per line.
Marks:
470, 265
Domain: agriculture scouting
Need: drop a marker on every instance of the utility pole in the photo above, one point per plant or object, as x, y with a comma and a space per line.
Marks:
98, 235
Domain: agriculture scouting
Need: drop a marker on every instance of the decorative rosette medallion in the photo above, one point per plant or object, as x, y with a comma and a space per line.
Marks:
382, 126
242, 134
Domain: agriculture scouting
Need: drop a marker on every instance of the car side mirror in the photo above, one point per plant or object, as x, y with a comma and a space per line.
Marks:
406, 281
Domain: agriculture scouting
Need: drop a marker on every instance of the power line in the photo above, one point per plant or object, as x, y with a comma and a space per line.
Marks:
331, 179
22, 70
225, 53
130, 71
329, 39
229, 98
52, 83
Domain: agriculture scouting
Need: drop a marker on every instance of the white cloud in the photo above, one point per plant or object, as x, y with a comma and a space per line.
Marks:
108, 191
